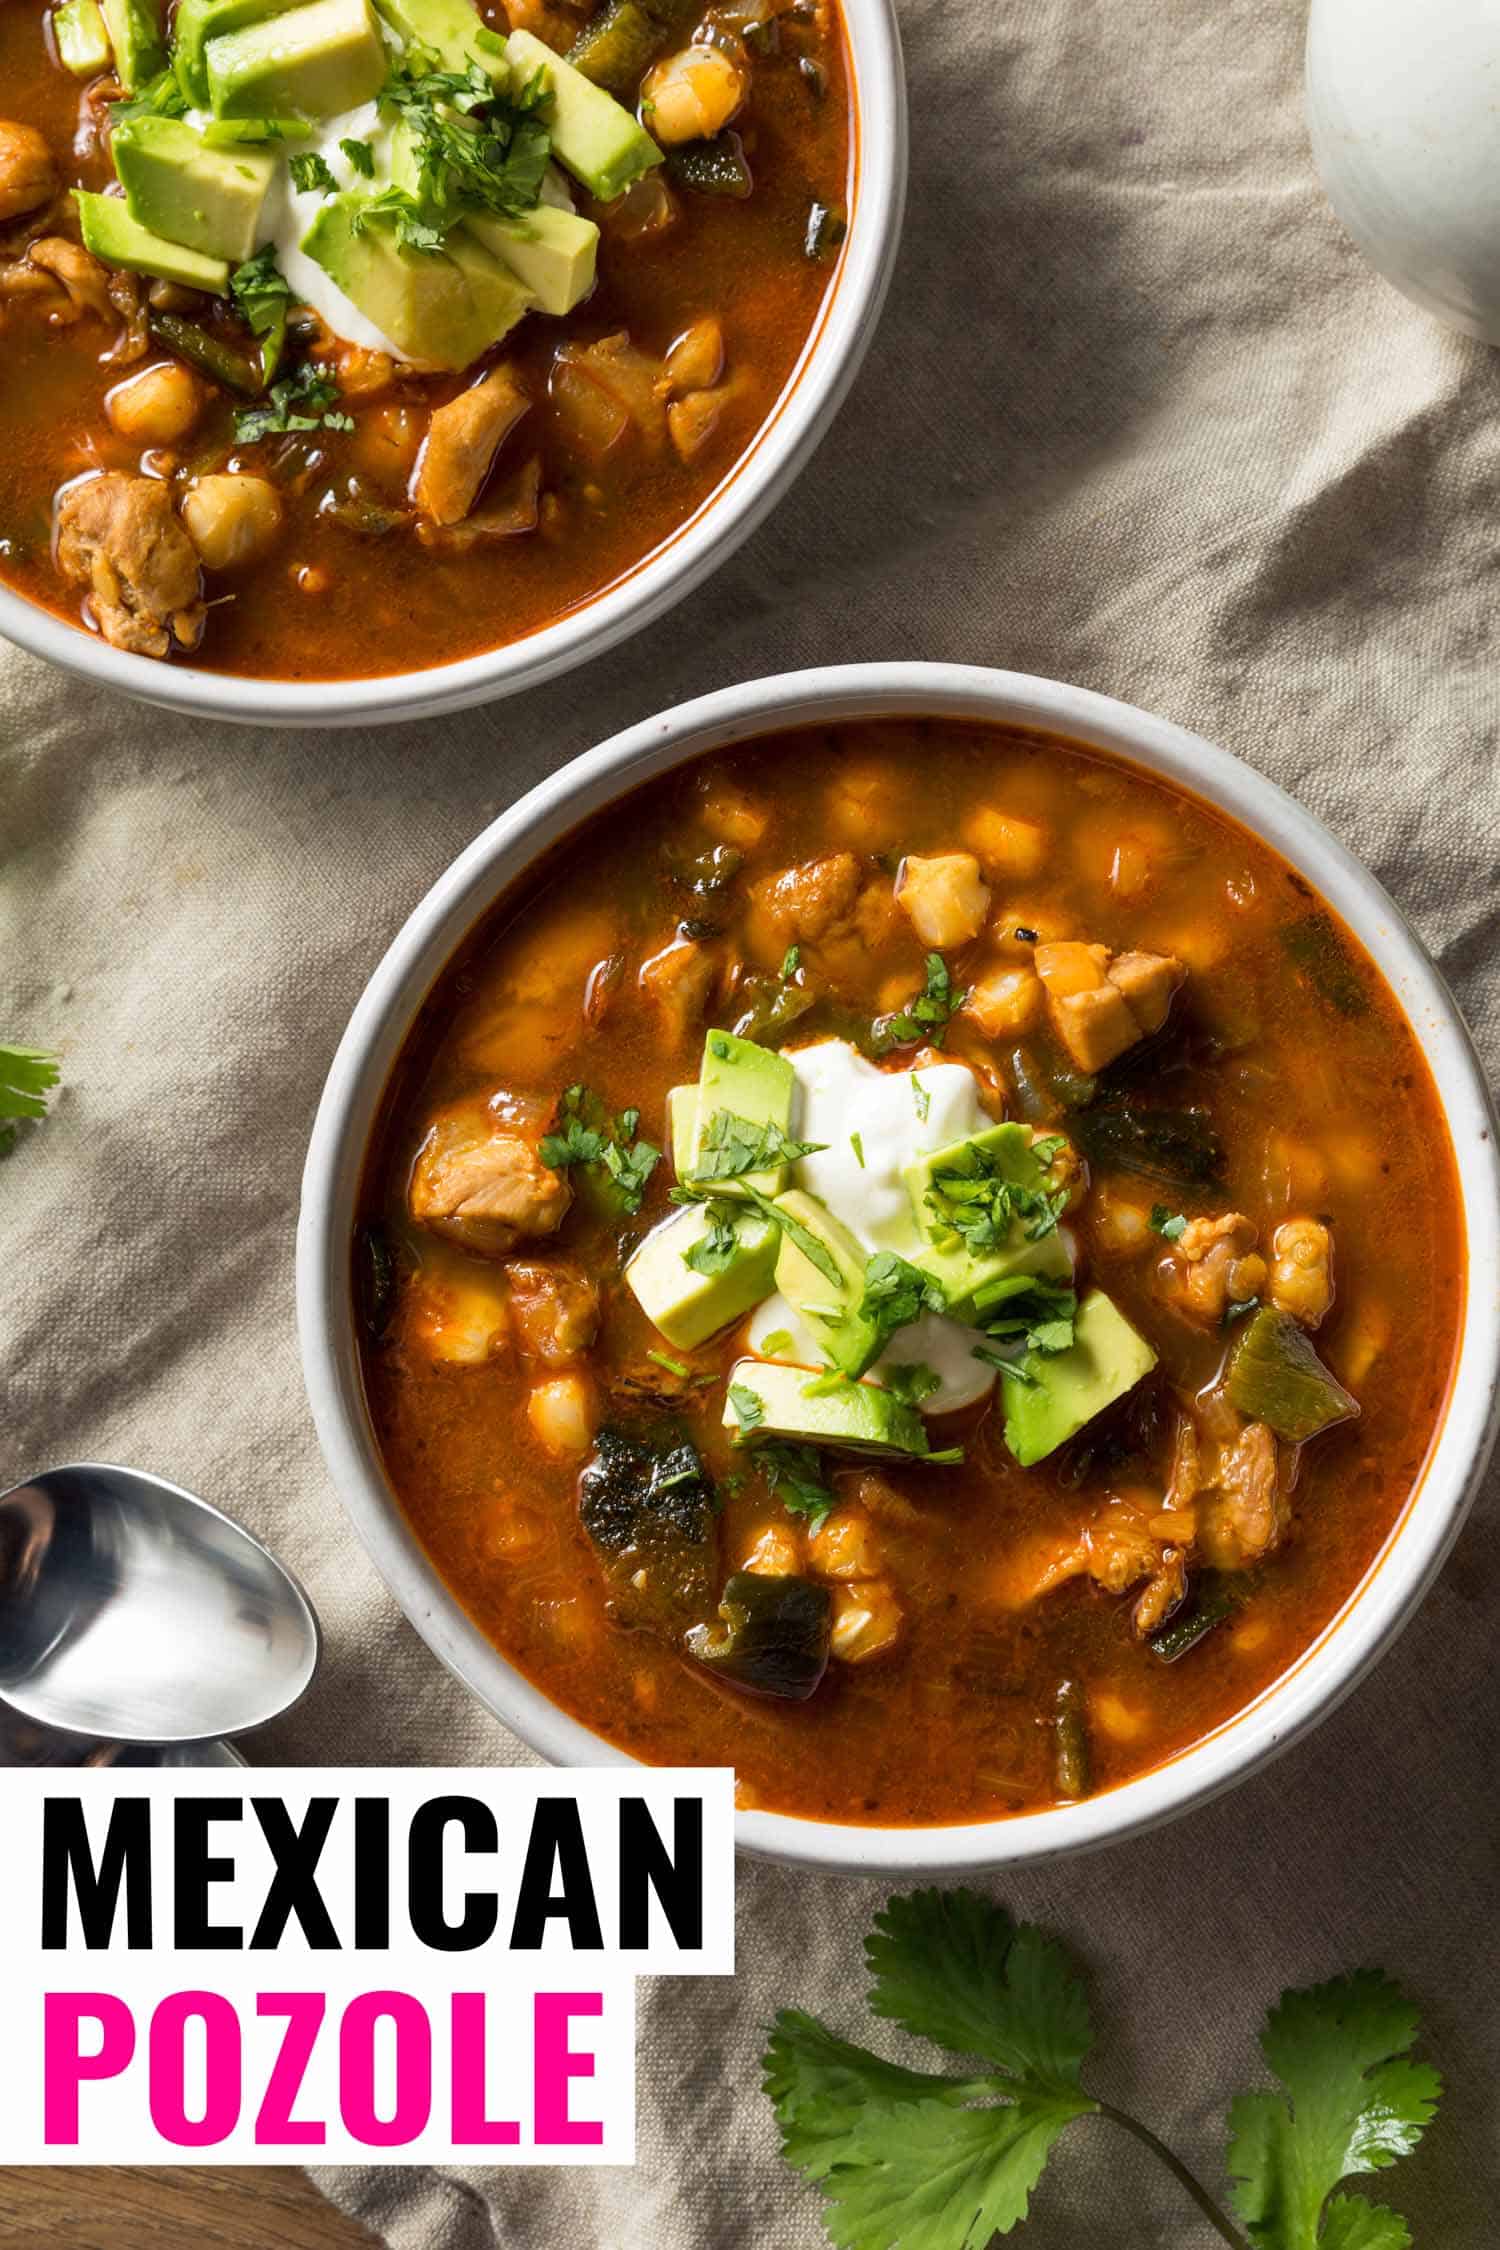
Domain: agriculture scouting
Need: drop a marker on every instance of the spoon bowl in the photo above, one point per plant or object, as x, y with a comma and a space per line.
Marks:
134, 1612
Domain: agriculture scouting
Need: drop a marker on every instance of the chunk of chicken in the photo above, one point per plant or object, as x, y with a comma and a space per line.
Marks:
1102, 1003
554, 1307
479, 1178
1214, 1264
1302, 1269
462, 440
678, 981
945, 898
28, 176
84, 282
119, 537
1121, 1545
1245, 1513
806, 903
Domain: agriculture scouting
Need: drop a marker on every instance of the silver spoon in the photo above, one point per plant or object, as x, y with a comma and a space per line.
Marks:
132, 1611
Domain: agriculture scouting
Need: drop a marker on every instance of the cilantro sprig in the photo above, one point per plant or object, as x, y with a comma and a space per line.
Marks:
474, 149
973, 1197
27, 1077
733, 1146
583, 1134
303, 400
926, 1017
920, 2159
263, 298
896, 1293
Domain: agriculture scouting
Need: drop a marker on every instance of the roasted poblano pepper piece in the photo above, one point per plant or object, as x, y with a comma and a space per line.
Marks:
1276, 1377
208, 352
1215, 1601
774, 1636
648, 1504
1178, 1147
1072, 1767
615, 50
716, 167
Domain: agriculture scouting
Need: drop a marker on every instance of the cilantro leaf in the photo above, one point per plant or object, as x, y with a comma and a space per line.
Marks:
1171, 1226
733, 1146
953, 1967
475, 149
27, 1076
927, 1016
1354, 2102
300, 401
1352, 2224
715, 1251
263, 297
398, 209
361, 157
310, 174
580, 1136
795, 1476
749, 1411
973, 1196
896, 1294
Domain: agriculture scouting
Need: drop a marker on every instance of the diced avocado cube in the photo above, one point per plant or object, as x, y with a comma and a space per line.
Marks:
113, 235
945, 1254
739, 1079
314, 61
198, 21
853, 1417
554, 252
453, 30
82, 41
135, 35
687, 1305
444, 308
209, 198
812, 1242
1106, 1358
592, 134
682, 1121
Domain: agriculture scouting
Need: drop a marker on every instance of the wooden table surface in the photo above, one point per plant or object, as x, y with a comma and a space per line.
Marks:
209, 2208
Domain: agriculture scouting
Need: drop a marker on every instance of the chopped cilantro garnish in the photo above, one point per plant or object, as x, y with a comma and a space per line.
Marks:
400, 211
911, 1384
714, 1252
780, 1341
856, 1142
950, 2158
896, 1293
791, 962
672, 1366
262, 296
921, 1098
972, 1197
475, 149
733, 1146
310, 174
816, 1252
27, 1076
795, 1475
581, 1136
361, 157
927, 1016
1171, 1226
749, 1411
300, 401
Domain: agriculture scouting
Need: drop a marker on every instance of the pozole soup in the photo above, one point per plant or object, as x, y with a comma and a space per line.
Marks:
338, 341
913, 1260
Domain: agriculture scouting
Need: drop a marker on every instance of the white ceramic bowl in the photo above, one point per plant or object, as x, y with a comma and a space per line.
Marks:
799, 420
1403, 106
1395, 1582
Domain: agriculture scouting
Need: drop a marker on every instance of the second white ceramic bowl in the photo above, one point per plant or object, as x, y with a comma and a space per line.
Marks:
1395, 1582
814, 392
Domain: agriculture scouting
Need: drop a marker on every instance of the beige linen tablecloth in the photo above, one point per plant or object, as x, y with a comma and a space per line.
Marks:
1136, 417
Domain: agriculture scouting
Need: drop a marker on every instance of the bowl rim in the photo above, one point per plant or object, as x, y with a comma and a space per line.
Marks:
1398, 1577
799, 419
